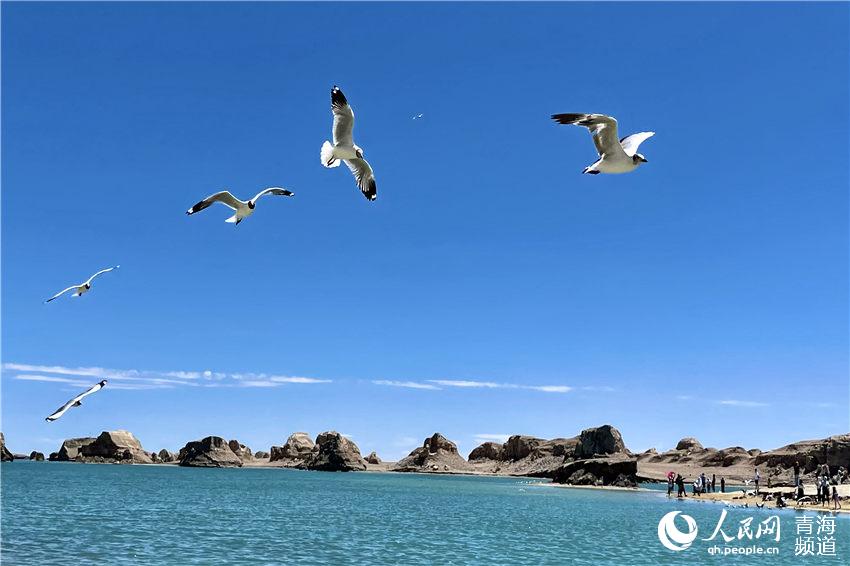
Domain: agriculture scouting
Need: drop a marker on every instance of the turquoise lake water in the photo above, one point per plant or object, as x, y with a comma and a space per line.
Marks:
62, 513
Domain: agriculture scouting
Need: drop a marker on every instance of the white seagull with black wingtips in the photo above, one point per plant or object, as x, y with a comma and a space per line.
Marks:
243, 208
82, 287
76, 401
344, 148
614, 156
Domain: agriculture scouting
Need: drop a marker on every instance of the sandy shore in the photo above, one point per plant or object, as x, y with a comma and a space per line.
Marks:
739, 498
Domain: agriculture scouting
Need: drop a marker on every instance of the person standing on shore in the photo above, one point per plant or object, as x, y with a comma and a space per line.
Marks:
680, 483
796, 473
669, 484
722, 485
836, 503
713, 480
756, 479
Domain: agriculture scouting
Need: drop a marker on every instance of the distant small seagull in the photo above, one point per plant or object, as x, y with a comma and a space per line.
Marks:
614, 156
418, 116
243, 208
76, 401
82, 287
344, 148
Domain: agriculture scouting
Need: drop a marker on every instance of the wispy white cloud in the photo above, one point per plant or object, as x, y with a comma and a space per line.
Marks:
148, 379
296, 379
257, 383
494, 385
550, 388
739, 403
50, 379
487, 437
408, 384
185, 374
467, 383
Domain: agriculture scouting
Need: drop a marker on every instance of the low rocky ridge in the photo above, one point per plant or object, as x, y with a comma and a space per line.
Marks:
296, 451
36, 456
436, 455
260, 455
777, 465
209, 452
691, 450
618, 470
834, 451
537, 457
335, 453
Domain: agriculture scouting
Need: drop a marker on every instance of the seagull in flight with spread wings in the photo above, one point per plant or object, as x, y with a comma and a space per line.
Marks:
614, 156
344, 149
76, 401
243, 208
82, 287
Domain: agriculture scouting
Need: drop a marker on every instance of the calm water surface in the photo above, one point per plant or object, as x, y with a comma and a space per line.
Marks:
62, 513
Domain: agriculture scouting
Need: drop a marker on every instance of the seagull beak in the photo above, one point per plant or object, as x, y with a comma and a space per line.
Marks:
644, 160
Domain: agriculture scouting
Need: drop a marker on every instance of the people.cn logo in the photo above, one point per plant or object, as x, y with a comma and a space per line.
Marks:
670, 535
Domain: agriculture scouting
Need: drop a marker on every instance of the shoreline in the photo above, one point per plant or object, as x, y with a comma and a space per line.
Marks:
746, 500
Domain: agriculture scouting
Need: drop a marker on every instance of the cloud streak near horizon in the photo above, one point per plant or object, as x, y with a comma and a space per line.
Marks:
440, 384
150, 379
153, 379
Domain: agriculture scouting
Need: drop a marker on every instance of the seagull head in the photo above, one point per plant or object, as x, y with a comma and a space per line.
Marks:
251, 204
102, 382
638, 159
358, 151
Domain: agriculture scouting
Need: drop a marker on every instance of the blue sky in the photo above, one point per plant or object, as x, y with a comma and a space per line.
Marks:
491, 289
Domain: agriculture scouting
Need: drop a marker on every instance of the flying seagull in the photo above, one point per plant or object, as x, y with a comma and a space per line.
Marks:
418, 116
614, 156
344, 148
243, 208
82, 287
76, 401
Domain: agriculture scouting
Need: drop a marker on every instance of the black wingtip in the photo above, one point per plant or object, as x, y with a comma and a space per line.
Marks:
371, 191
337, 98
567, 118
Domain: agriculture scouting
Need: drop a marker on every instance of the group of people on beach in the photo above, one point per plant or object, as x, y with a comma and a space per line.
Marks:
701, 484
826, 486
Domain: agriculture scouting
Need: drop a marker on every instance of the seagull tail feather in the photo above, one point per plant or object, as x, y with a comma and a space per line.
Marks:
328, 155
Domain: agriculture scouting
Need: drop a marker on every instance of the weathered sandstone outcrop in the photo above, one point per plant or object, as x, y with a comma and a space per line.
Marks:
335, 453
209, 452
437, 454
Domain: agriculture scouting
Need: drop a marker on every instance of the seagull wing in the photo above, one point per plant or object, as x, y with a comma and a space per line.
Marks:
343, 118
60, 293
90, 279
603, 129
224, 197
631, 143
273, 191
61, 410
364, 176
93, 389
